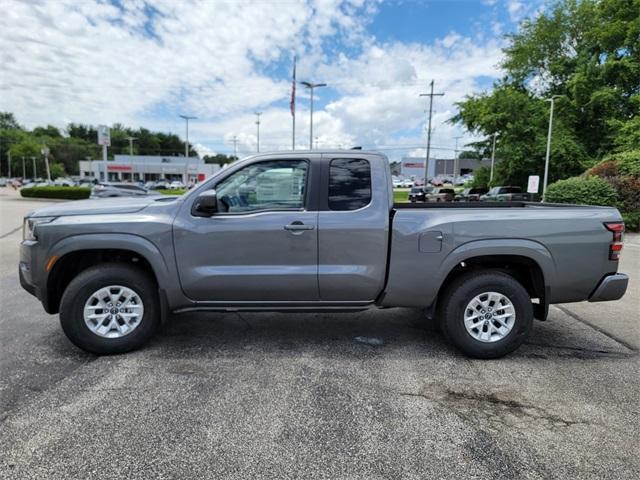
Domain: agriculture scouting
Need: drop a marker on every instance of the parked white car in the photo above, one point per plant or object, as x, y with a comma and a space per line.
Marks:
176, 185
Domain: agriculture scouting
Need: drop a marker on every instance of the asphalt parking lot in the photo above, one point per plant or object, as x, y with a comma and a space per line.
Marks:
266, 395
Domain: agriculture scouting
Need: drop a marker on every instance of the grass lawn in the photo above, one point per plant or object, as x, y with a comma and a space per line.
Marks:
401, 194
179, 191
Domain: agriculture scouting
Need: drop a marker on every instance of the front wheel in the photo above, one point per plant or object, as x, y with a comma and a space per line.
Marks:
110, 308
486, 314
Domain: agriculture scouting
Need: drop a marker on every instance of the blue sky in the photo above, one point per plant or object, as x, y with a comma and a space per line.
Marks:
142, 63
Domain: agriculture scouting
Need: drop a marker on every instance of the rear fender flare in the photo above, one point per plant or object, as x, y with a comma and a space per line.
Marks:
515, 247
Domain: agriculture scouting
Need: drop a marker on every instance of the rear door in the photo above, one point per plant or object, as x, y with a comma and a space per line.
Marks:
353, 225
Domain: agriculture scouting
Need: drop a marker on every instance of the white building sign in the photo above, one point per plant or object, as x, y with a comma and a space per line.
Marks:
104, 135
534, 184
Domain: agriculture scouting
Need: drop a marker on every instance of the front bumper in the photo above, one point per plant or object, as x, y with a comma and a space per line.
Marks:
611, 287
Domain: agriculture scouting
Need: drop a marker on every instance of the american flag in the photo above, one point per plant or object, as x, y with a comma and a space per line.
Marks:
292, 103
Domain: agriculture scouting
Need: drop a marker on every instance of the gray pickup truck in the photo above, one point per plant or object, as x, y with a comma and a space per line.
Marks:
315, 231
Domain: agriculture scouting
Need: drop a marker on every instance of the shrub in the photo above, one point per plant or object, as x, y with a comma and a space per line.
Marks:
631, 221
585, 191
624, 163
66, 193
604, 169
628, 189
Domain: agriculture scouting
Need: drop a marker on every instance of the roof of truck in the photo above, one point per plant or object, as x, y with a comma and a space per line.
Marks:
320, 151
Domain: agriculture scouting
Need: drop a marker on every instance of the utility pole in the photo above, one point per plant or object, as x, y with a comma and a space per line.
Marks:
234, 140
131, 140
493, 159
546, 161
311, 86
35, 173
185, 178
456, 162
430, 95
9, 161
24, 171
258, 131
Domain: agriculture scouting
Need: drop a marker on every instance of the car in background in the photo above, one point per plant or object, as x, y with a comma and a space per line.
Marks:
440, 195
505, 194
471, 194
176, 185
3, 182
106, 190
64, 182
157, 185
418, 194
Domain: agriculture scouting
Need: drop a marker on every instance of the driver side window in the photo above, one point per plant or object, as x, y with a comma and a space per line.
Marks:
270, 185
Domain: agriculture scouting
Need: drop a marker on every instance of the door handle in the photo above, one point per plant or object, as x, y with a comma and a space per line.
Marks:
298, 226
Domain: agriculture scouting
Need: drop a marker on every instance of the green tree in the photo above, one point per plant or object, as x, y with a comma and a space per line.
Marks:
588, 53
57, 170
8, 121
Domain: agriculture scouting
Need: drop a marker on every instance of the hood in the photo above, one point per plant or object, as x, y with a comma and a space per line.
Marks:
100, 206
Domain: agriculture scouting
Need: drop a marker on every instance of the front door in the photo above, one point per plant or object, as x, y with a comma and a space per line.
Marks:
261, 246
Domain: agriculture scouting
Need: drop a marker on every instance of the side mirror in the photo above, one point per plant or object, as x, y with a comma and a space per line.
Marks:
205, 205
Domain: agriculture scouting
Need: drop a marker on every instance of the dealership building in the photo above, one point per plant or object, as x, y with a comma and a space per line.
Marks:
413, 167
148, 168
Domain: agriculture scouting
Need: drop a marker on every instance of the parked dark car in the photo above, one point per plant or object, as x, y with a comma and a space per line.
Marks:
105, 190
471, 194
418, 194
505, 194
440, 195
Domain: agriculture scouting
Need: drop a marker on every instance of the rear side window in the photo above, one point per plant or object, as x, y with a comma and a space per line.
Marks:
349, 184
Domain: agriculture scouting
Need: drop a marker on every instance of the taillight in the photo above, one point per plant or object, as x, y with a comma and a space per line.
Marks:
615, 247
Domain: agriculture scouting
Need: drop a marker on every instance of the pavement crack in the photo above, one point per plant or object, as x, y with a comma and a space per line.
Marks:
5, 235
508, 412
597, 328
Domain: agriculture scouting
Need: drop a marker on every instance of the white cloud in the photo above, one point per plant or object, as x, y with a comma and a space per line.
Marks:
144, 63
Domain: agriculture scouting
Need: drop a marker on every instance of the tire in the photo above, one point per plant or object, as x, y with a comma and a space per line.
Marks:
459, 295
82, 288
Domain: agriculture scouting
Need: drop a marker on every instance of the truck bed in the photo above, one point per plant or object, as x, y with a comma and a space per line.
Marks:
568, 242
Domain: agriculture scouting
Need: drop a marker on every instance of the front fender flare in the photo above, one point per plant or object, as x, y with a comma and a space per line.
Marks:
118, 241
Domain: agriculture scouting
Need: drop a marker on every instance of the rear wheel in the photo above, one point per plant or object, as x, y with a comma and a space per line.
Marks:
486, 314
110, 308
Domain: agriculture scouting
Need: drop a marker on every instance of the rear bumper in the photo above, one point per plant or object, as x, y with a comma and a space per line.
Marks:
612, 287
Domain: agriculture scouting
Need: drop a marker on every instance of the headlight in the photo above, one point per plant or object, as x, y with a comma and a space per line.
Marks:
29, 225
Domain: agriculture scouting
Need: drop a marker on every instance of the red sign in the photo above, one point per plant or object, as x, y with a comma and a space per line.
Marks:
119, 168
413, 165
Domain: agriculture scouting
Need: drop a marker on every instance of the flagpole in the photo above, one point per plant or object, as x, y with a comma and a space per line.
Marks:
293, 105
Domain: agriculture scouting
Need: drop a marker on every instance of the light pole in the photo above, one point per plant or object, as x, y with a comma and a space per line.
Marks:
131, 140
9, 162
45, 152
430, 95
493, 158
35, 174
311, 86
546, 161
258, 130
234, 140
456, 162
24, 170
185, 178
